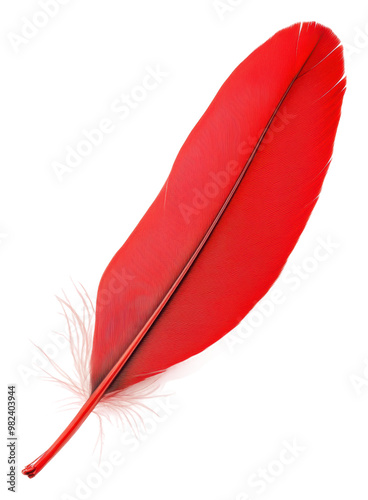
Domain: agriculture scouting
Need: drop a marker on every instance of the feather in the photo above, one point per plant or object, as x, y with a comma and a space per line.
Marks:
221, 229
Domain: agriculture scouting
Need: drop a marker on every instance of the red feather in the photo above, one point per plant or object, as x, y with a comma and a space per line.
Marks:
221, 229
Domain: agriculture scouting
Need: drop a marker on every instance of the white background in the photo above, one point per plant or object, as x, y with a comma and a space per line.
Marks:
235, 405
